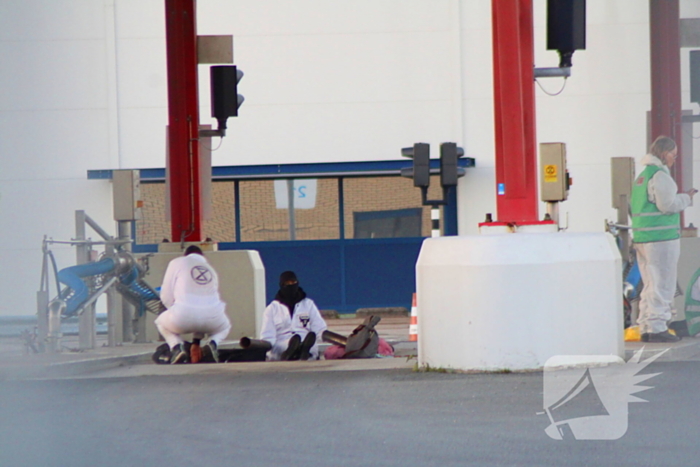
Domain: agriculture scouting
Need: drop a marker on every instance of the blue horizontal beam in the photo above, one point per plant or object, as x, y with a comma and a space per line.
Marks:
313, 170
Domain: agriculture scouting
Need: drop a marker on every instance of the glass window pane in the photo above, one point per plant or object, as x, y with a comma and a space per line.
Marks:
265, 210
386, 207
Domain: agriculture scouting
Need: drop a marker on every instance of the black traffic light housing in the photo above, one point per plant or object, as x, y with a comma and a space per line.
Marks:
449, 169
420, 172
420, 153
566, 28
225, 99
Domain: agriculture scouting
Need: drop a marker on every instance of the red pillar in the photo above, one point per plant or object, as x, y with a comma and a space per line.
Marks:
664, 21
183, 120
514, 111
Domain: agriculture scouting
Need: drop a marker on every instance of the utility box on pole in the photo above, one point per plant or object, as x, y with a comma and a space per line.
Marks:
554, 186
126, 195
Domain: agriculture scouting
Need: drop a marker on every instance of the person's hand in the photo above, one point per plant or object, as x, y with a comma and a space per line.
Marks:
692, 192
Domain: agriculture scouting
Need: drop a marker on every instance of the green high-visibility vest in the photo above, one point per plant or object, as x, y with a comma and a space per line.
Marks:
648, 223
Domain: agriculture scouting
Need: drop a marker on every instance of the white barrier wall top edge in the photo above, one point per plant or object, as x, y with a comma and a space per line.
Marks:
519, 249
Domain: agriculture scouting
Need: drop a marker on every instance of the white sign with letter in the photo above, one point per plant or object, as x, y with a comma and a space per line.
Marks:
304, 193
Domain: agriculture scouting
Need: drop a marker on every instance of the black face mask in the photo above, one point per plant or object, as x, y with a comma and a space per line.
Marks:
289, 292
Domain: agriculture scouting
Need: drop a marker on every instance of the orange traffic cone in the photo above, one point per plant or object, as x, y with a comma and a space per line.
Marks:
413, 327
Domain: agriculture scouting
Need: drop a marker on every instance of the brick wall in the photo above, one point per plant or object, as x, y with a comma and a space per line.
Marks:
262, 221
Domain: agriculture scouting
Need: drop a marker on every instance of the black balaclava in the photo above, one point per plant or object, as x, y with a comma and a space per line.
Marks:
289, 294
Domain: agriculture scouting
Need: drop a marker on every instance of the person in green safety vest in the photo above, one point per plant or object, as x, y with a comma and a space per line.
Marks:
656, 205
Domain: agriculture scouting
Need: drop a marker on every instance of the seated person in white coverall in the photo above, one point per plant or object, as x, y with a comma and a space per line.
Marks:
190, 292
292, 322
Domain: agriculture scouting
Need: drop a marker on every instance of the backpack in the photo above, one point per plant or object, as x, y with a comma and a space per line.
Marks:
364, 340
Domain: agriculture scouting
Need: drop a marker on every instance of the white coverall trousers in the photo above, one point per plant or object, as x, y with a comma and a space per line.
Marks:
658, 265
186, 318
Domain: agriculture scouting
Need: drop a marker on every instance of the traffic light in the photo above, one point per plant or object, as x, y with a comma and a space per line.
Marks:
225, 99
566, 28
420, 153
449, 170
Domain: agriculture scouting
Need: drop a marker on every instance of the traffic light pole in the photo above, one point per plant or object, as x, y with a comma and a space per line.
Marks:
435, 220
665, 63
183, 120
514, 111
436, 203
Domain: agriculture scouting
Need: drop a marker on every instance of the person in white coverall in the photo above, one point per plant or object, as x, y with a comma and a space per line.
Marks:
292, 322
656, 206
190, 292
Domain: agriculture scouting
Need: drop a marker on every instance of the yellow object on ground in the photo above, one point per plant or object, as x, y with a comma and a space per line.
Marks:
632, 334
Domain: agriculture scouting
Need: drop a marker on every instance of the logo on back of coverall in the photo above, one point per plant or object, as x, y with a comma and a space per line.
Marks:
201, 275
304, 319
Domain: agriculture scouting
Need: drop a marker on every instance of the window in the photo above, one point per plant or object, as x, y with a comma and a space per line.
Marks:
373, 207
268, 213
153, 227
386, 207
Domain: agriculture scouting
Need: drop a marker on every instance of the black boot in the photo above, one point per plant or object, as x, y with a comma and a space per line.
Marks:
309, 342
664, 336
293, 349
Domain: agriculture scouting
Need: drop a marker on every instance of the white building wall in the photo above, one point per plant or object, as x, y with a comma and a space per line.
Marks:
601, 113
54, 124
83, 86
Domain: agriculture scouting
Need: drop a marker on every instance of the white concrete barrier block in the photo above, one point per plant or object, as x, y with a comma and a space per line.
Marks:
513, 301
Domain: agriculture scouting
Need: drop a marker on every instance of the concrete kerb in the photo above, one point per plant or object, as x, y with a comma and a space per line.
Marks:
90, 363
687, 349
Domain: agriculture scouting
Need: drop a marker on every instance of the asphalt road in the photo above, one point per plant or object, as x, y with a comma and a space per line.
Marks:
340, 418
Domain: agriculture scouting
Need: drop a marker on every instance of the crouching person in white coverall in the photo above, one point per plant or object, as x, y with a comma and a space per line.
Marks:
656, 206
292, 322
190, 292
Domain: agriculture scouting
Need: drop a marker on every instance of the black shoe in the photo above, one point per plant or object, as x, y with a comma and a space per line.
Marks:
309, 342
179, 355
645, 337
662, 337
293, 349
212, 351
162, 355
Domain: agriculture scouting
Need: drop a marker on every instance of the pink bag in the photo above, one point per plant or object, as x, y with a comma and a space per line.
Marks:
335, 352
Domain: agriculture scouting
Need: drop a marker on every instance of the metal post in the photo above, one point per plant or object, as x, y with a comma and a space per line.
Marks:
686, 157
42, 300
124, 232
183, 120
53, 339
514, 110
86, 323
553, 211
42, 314
114, 311
141, 329
435, 218
624, 234
665, 62
290, 208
